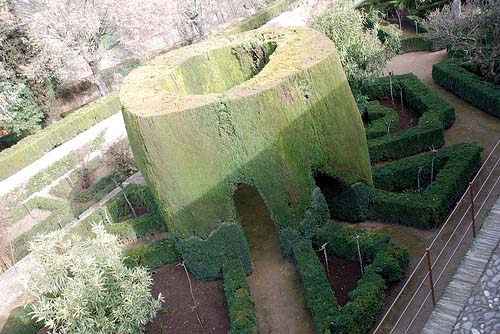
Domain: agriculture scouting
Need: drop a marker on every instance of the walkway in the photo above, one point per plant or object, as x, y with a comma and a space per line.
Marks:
473, 291
275, 283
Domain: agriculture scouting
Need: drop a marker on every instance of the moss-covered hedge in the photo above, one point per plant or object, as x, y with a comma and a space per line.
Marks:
152, 255
384, 263
35, 146
468, 86
267, 108
131, 229
455, 166
239, 300
436, 114
138, 195
380, 119
412, 43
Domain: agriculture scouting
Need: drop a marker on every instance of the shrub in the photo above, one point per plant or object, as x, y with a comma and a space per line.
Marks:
316, 215
412, 20
205, 258
141, 226
84, 287
139, 196
379, 117
321, 301
20, 322
436, 114
468, 86
239, 300
35, 146
428, 209
422, 11
101, 188
412, 43
288, 239
152, 255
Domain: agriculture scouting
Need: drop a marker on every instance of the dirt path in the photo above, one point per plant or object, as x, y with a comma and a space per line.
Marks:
275, 284
471, 124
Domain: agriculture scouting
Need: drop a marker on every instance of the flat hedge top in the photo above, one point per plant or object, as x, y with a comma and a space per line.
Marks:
251, 62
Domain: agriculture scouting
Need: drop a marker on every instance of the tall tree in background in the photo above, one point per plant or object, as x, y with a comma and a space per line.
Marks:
473, 35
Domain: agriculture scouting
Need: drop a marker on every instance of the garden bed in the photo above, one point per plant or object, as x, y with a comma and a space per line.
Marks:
407, 117
177, 315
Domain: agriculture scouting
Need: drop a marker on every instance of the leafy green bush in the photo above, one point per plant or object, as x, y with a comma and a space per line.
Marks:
412, 20
35, 146
455, 166
436, 114
321, 301
239, 300
379, 117
141, 226
316, 215
139, 196
20, 322
205, 258
101, 188
152, 255
422, 11
468, 86
288, 239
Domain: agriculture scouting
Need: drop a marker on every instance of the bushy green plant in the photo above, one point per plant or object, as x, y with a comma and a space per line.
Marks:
131, 229
138, 195
361, 52
381, 119
321, 301
316, 215
239, 300
101, 188
20, 322
469, 86
83, 286
152, 255
288, 239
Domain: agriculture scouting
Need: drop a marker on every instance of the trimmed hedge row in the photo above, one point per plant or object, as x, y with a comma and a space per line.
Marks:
152, 255
385, 263
138, 195
239, 300
455, 167
422, 11
204, 258
468, 86
412, 43
131, 229
321, 301
379, 118
35, 146
101, 188
436, 114
412, 20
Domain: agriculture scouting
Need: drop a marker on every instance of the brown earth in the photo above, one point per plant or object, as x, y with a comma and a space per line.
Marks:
407, 117
177, 315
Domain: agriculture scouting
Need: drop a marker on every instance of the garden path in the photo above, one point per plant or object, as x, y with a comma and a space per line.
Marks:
275, 283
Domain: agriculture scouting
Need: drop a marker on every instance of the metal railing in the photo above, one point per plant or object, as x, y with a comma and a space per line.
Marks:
411, 307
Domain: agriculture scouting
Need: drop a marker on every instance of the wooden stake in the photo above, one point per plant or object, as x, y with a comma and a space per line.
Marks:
472, 211
429, 268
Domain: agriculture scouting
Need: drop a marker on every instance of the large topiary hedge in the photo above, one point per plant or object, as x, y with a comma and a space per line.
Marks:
267, 108
436, 115
395, 199
469, 86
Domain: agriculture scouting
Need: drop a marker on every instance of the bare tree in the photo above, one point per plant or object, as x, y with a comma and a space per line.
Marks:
473, 34
86, 173
118, 156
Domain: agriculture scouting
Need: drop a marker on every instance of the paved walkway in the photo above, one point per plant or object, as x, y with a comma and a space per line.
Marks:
470, 303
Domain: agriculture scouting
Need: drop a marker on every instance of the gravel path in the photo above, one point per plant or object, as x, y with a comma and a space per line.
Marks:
114, 126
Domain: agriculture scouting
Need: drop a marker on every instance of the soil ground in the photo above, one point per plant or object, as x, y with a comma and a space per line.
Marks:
343, 276
275, 284
407, 117
34, 217
176, 315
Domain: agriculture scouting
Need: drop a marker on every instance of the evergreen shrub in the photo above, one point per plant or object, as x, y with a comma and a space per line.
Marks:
468, 86
138, 195
455, 166
152, 255
239, 300
131, 229
412, 43
379, 118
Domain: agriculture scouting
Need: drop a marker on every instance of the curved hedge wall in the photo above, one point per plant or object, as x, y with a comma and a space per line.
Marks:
267, 108
436, 115
468, 86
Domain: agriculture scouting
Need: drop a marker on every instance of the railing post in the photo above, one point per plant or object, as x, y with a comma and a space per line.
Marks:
472, 213
429, 267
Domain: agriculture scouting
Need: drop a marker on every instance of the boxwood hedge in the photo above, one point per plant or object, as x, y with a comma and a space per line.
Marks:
436, 114
412, 43
454, 168
131, 229
152, 255
468, 86
239, 300
380, 118
384, 262
138, 195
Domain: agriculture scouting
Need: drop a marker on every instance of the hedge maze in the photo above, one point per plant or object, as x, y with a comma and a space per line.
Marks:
266, 108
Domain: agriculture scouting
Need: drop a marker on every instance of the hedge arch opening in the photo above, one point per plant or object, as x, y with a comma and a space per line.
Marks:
275, 284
